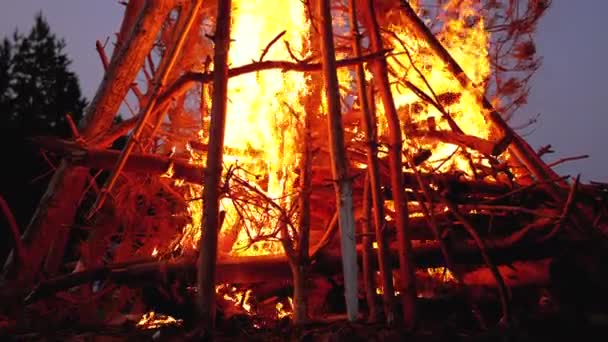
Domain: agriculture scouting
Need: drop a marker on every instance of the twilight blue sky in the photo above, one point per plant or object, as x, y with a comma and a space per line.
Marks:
569, 91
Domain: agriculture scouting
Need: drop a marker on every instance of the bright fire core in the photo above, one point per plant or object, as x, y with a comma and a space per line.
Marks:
265, 114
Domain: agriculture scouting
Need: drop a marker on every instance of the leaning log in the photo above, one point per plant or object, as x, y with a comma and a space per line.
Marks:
95, 158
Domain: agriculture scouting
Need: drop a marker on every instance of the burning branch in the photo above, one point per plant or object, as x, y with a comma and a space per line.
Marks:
106, 159
184, 83
209, 229
374, 194
406, 268
274, 40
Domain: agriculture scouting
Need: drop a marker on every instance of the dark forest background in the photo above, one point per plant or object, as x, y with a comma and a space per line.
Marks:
37, 92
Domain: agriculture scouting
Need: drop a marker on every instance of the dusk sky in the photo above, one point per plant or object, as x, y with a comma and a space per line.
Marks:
569, 91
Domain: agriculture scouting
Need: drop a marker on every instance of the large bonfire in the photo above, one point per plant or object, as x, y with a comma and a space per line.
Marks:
453, 68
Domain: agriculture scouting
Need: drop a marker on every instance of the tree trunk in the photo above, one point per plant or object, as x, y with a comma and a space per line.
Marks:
342, 183
213, 172
406, 267
50, 224
366, 103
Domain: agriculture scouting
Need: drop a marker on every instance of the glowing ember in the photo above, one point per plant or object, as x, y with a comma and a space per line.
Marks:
442, 274
283, 310
240, 298
152, 320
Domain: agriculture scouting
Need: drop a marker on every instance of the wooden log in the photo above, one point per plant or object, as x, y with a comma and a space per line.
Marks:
181, 168
342, 182
258, 269
94, 158
484, 146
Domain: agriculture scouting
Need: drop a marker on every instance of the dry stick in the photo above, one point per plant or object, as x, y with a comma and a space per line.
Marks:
566, 211
12, 225
369, 271
208, 243
267, 48
328, 236
386, 274
567, 159
428, 214
145, 112
406, 267
502, 288
342, 184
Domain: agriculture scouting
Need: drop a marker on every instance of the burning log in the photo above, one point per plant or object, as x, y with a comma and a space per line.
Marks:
261, 269
94, 158
484, 146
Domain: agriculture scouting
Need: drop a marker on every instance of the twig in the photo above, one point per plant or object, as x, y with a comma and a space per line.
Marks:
12, 224
566, 211
527, 187
293, 56
423, 96
544, 150
563, 160
267, 48
75, 134
502, 288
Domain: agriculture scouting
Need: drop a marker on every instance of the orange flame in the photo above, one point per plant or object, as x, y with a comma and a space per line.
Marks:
467, 41
152, 320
